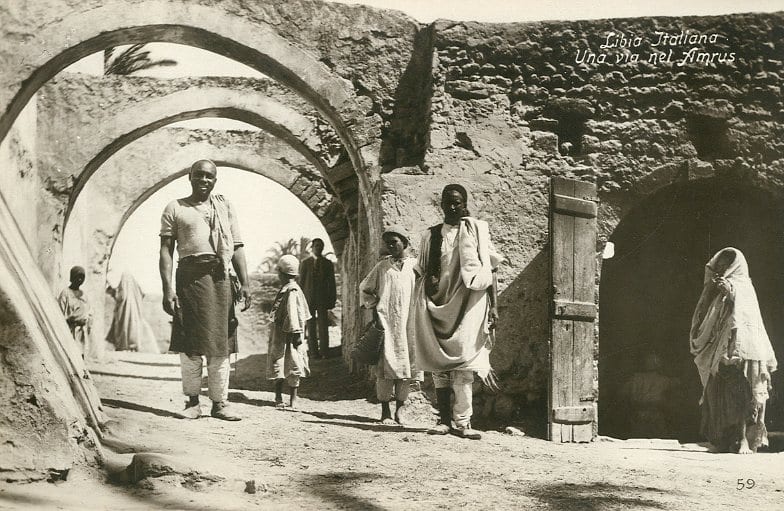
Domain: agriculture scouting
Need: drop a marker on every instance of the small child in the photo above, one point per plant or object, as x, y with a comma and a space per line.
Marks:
388, 289
287, 356
76, 309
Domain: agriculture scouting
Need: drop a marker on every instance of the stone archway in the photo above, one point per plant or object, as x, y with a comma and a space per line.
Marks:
87, 150
244, 34
650, 287
148, 115
116, 190
63, 35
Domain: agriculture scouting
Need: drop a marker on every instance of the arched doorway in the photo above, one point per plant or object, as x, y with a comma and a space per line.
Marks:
649, 290
117, 189
134, 248
244, 37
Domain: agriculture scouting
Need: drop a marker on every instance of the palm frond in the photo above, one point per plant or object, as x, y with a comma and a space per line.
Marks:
132, 59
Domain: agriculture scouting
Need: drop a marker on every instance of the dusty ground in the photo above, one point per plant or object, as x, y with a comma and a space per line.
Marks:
334, 455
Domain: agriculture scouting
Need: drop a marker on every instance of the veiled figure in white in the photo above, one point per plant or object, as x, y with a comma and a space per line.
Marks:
733, 355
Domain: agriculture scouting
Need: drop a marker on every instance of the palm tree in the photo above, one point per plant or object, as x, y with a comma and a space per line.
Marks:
290, 246
130, 60
304, 247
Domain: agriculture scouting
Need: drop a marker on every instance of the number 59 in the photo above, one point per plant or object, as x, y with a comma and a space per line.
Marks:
745, 484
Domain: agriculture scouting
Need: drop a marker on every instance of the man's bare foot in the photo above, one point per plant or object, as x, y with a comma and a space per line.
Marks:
743, 448
398, 407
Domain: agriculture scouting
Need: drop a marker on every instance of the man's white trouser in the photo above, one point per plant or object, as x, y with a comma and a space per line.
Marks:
461, 383
217, 376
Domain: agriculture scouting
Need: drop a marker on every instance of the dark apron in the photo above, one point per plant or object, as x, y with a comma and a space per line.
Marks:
204, 323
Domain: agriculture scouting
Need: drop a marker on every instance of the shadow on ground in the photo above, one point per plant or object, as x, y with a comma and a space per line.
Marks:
329, 379
117, 403
377, 427
135, 376
150, 363
336, 488
599, 496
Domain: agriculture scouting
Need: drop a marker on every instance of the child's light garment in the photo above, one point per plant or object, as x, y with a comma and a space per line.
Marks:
290, 311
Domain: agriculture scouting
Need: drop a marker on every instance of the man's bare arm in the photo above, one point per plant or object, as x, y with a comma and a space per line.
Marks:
240, 266
165, 266
493, 295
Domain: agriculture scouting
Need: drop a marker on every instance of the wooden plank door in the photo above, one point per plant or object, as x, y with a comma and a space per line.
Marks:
573, 206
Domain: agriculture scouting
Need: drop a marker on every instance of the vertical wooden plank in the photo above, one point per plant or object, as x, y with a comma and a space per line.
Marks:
562, 333
584, 291
562, 245
582, 368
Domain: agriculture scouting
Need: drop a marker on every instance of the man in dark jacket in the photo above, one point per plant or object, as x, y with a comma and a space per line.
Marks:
317, 278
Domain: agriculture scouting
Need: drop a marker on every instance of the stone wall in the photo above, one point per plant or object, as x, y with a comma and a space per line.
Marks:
37, 355
515, 104
37, 412
47, 398
18, 154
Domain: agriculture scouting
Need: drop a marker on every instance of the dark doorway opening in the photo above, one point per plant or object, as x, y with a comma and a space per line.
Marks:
648, 293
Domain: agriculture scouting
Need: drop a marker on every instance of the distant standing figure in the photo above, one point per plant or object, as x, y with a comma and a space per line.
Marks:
76, 308
733, 356
318, 284
388, 289
204, 228
648, 395
287, 355
129, 330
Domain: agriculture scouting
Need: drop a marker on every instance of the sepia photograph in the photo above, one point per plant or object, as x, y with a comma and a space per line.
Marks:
391, 255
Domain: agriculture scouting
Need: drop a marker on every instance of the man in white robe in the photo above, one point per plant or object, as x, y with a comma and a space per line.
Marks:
454, 309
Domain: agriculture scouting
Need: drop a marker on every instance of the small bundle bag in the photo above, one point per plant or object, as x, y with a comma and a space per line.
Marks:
368, 348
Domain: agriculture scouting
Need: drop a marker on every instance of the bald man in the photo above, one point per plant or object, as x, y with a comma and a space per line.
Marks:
203, 227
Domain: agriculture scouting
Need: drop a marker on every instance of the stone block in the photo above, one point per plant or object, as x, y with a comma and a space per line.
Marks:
545, 142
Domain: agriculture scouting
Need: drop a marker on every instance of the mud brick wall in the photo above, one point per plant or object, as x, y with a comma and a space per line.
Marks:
513, 104
18, 152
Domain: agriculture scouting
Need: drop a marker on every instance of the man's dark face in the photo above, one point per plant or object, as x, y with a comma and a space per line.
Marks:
77, 280
453, 206
318, 248
202, 178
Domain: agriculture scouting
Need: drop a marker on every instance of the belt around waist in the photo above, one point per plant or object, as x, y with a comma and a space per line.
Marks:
200, 262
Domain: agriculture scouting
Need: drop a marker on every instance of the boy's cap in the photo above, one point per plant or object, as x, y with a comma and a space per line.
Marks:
289, 265
395, 230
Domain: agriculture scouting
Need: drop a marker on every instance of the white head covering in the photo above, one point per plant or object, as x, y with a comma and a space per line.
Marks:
716, 316
289, 265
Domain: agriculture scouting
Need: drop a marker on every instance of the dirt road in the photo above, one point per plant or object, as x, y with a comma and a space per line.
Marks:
333, 454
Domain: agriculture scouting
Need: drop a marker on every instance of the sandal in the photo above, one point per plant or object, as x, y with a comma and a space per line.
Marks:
280, 406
